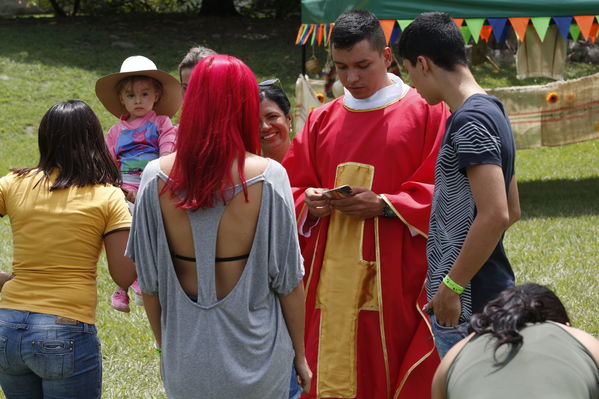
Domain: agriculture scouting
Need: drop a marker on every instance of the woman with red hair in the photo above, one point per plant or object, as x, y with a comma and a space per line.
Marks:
215, 244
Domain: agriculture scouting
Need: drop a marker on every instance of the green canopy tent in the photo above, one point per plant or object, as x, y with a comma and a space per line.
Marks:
326, 11
554, 114
477, 18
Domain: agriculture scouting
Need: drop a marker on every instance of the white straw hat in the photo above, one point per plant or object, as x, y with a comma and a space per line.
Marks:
138, 65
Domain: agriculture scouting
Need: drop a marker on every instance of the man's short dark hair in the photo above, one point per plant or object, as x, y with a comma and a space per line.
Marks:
354, 26
436, 36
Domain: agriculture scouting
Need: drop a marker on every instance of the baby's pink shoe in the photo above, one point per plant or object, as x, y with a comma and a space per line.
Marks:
139, 300
120, 300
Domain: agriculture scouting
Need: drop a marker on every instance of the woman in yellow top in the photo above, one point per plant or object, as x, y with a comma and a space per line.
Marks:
61, 212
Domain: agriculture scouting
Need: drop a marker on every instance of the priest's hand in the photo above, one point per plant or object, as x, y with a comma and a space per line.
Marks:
363, 204
318, 205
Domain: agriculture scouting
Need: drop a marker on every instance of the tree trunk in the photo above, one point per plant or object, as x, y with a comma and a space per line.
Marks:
57, 9
60, 12
76, 7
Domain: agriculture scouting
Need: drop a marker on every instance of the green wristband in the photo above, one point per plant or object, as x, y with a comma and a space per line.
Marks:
452, 285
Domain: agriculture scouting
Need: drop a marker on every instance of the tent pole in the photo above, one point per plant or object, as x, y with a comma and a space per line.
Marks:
303, 59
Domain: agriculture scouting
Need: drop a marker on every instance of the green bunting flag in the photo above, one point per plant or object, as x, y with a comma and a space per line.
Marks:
574, 31
466, 33
404, 22
541, 24
475, 25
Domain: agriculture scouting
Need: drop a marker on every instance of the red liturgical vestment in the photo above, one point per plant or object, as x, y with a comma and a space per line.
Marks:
366, 336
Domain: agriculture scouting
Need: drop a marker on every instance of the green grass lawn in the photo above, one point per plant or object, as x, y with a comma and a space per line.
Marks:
46, 61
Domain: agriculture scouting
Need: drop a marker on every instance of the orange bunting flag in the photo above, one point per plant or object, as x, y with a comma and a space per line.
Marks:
299, 33
520, 24
307, 35
387, 25
458, 21
320, 34
585, 23
329, 34
594, 30
485, 32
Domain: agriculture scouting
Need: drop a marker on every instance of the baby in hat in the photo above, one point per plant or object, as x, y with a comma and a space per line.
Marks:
143, 98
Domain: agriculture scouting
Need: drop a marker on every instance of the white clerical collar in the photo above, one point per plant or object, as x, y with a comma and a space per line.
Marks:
383, 97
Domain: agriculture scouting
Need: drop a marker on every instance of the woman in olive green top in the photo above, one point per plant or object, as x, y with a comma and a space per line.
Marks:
521, 346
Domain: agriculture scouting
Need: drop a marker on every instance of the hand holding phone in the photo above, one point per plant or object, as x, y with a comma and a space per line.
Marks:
338, 192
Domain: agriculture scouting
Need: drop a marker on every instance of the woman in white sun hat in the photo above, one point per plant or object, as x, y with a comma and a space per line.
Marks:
143, 98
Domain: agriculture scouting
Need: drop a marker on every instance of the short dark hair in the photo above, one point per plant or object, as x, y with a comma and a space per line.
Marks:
275, 94
436, 36
513, 309
193, 56
71, 141
354, 26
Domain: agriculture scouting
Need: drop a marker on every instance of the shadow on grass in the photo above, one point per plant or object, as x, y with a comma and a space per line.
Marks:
559, 198
100, 44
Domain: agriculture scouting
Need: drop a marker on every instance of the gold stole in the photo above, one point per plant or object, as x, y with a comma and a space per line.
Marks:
347, 285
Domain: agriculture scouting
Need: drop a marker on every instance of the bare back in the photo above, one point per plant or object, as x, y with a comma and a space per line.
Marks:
235, 232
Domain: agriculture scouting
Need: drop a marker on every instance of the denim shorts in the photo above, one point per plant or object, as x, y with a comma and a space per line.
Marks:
47, 356
446, 337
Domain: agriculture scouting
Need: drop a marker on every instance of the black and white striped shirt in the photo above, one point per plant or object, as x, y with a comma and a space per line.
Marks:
478, 133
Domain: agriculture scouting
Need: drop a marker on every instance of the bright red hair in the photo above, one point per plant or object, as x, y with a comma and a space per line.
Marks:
219, 122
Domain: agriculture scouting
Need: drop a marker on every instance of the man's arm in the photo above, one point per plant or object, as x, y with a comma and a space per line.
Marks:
492, 219
513, 202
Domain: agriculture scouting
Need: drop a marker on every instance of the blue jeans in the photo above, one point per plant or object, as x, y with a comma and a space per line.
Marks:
50, 357
446, 337
295, 389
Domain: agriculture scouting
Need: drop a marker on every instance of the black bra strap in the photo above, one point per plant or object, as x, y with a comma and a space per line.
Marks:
187, 258
230, 259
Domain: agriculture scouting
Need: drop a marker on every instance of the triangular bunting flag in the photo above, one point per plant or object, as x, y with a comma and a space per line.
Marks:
574, 32
458, 21
499, 30
593, 33
585, 22
520, 24
328, 40
307, 34
395, 34
485, 32
563, 24
387, 25
300, 32
320, 34
541, 24
314, 32
466, 33
404, 22
475, 25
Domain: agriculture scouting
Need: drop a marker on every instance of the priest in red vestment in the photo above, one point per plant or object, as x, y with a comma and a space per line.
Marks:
366, 335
